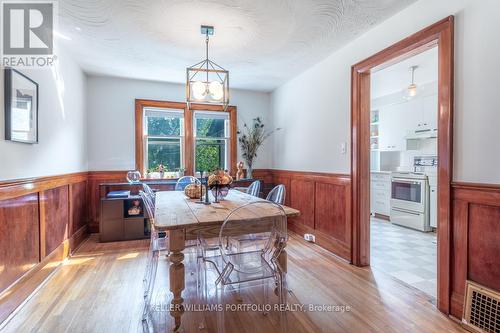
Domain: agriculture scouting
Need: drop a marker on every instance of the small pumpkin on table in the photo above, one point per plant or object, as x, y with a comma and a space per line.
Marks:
193, 191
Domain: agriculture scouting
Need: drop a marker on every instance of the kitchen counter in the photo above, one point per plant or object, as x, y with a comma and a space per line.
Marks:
382, 172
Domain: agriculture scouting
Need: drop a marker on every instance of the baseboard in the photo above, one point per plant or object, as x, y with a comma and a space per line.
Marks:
22, 288
323, 240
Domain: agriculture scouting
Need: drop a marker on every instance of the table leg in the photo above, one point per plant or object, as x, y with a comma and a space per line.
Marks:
176, 240
283, 262
282, 259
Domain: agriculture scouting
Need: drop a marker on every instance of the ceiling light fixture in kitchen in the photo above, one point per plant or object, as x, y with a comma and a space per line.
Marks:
411, 91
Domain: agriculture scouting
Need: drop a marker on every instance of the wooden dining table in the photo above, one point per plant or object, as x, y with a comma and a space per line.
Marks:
185, 219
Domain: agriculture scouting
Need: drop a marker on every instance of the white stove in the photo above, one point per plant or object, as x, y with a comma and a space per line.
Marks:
410, 200
414, 195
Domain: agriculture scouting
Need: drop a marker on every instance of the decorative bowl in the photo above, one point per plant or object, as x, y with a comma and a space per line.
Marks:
220, 192
133, 176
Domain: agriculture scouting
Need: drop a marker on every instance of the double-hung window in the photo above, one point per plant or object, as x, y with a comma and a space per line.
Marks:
211, 140
163, 139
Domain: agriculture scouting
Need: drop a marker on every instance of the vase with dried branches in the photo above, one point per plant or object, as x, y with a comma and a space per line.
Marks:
251, 139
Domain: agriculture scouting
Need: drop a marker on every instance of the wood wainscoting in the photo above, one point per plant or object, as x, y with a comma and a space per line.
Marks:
41, 221
324, 201
475, 248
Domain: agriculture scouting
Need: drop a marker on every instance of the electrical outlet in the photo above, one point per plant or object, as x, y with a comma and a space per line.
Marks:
310, 238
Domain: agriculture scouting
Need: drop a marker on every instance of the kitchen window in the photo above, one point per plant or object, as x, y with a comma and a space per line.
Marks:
163, 139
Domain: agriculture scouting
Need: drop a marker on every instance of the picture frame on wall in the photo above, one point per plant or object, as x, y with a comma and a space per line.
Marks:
21, 107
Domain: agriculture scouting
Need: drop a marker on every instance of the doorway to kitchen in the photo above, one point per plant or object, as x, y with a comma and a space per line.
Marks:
403, 170
439, 35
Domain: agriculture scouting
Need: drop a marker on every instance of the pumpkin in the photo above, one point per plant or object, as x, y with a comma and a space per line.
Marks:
192, 191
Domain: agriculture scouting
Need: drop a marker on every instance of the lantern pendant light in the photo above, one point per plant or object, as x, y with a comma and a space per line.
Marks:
207, 82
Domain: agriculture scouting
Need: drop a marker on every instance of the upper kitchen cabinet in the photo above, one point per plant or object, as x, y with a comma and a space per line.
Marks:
399, 120
392, 128
429, 112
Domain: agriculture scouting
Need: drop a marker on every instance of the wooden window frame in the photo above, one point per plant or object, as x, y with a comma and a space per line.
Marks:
188, 162
442, 35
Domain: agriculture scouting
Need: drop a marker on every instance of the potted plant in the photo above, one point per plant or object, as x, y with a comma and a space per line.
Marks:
251, 139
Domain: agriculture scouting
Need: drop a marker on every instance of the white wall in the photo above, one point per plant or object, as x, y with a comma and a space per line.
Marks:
111, 129
314, 107
62, 146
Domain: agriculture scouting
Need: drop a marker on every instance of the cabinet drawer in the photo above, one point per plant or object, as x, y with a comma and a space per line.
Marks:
133, 228
379, 185
111, 209
111, 230
381, 195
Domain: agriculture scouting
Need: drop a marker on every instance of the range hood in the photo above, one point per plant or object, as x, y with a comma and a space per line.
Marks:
422, 134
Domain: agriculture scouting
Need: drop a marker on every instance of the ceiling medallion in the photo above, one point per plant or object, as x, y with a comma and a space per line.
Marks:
207, 82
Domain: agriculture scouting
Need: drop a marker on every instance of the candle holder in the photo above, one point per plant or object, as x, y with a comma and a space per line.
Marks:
204, 199
219, 191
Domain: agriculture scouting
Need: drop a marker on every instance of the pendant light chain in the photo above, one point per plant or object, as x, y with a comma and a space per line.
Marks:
206, 42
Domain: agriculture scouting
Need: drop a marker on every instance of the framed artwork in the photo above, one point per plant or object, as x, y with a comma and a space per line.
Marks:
21, 107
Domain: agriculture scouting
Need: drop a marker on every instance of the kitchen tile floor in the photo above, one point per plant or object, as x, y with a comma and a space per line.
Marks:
406, 254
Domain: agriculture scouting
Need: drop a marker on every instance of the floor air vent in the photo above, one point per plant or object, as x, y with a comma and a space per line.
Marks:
482, 309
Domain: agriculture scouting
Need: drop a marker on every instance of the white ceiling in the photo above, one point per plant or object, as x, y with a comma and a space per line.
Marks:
261, 42
397, 77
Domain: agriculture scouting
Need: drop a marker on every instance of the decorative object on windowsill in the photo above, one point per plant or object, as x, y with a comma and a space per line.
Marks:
194, 191
251, 139
133, 177
240, 174
207, 82
161, 170
219, 183
180, 172
20, 107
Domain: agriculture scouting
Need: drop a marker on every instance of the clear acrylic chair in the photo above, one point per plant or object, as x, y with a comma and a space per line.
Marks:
185, 181
277, 194
254, 188
244, 265
151, 194
157, 243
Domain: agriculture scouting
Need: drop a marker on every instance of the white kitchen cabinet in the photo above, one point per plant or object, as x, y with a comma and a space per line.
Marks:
430, 112
423, 113
391, 129
433, 207
380, 193
399, 120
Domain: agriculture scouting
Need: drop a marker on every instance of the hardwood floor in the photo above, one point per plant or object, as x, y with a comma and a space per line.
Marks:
100, 290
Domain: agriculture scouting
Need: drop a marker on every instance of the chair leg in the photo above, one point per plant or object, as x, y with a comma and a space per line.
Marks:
265, 286
220, 315
282, 293
147, 272
151, 283
200, 289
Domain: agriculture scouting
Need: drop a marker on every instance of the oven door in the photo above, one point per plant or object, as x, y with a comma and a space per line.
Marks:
408, 194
